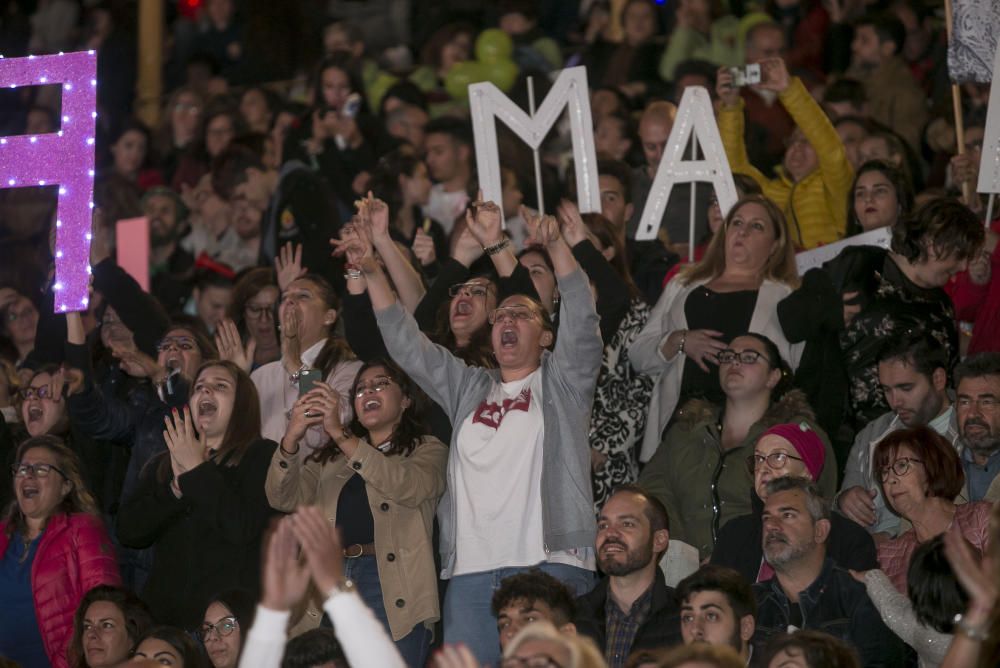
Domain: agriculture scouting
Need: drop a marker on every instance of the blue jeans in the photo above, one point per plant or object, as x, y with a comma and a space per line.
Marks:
363, 572
468, 618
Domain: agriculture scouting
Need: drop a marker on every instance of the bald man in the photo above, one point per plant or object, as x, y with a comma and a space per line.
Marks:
654, 129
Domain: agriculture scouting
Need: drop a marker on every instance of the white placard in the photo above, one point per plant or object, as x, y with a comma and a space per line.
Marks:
694, 117
487, 103
989, 164
814, 258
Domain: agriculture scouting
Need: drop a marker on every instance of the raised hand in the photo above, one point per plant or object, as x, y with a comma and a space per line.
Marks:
484, 221
288, 265
304, 414
321, 545
230, 346
573, 228
377, 213
187, 449
136, 363
326, 401
467, 248
423, 248
728, 93
284, 579
774, 75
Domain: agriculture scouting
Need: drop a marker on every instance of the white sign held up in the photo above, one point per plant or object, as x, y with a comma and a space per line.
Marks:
989, 165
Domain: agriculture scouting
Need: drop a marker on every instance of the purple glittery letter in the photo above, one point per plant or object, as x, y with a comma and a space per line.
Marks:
65, 158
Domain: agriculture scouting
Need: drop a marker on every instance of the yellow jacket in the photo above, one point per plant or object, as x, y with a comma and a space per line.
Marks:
816, 206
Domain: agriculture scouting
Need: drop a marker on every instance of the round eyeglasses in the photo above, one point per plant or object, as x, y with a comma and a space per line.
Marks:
900, 467
775, 460
223, 627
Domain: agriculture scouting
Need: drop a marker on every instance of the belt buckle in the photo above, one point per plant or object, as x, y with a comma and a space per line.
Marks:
348, 555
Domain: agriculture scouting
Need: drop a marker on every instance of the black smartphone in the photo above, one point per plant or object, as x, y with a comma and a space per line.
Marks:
308, 380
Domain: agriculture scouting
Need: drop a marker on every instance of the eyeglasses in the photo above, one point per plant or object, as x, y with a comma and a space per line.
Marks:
744, 356
378, 384
471, 289
900, 467
259, 312
185, 343
41, 392
35, 470
223, 627
775, 460
536, 661
512, 312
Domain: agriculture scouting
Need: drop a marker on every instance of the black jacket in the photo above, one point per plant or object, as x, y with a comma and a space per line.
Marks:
661, 629
205, 542
834, 603
739, 543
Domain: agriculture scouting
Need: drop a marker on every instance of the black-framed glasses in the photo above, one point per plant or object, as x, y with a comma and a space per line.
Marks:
223, 627
728, 356
39, 470
512, 312
775, 460
900, 467
41, 392
255, 312
471, 289
185, 343
377, 384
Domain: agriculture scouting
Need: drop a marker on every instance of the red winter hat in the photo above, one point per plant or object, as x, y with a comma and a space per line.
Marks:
805, 441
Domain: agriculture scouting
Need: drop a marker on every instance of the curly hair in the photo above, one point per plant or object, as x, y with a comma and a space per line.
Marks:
536, 585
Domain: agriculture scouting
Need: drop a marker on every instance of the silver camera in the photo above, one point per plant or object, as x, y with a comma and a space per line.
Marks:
748, 75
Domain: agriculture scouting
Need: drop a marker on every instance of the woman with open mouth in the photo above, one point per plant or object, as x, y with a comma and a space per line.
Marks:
518, 429
53, 549
201, 504
379, 478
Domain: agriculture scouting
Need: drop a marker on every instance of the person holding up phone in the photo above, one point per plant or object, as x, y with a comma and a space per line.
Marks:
309, 353
814, 177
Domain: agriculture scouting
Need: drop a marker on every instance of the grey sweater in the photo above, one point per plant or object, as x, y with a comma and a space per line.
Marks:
569, 376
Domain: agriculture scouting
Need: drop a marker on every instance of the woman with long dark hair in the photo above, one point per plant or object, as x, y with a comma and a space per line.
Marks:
201, 504
108, 623
380, 477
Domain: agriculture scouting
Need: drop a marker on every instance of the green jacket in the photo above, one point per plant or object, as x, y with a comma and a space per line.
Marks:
702, 486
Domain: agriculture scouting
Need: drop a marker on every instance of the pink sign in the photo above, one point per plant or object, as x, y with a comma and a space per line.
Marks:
132, 244
65, 158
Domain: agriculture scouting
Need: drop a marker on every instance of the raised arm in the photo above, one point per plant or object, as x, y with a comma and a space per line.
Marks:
409, 285
731, 127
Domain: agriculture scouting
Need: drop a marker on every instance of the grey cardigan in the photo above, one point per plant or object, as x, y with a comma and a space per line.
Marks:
569, 376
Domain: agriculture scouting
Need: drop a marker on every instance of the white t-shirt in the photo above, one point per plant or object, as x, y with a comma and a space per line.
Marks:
445, 207
497, 469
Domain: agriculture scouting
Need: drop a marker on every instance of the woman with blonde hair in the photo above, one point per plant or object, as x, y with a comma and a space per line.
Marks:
541, 640
748, 268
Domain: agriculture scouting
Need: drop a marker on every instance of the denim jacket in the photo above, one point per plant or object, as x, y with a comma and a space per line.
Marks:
835, 603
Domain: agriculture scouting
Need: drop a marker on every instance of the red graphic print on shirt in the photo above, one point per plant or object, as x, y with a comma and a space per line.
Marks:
492, 415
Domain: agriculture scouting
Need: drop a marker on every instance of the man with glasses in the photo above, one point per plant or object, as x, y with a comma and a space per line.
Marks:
977, 381
912, 374
809, 591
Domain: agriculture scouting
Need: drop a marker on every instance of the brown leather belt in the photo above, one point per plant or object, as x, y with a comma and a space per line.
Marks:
356, 550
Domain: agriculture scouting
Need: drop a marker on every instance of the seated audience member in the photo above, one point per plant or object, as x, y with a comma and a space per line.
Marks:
894, 98
696, 471
285, 578
879, 197
541, 643
54, 550
201, 505
106, 627
815, 175
249, 335
169, 646
213, 291
867, 293
223, 629
507, 439
533, 596
810, 649
655, 125
307, 314
632, 608
787, 450
380, 478
977, 384
748, 268
318, 647
912, 370
718, 608
808, 590
925, 617
921, 477
171, 268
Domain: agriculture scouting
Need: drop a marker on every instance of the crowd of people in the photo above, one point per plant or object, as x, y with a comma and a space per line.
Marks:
360, 415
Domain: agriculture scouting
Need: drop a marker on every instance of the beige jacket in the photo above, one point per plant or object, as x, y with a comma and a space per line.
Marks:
403, 494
